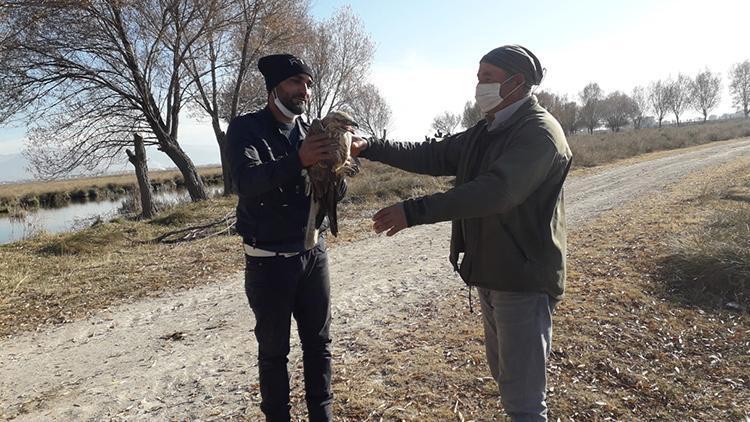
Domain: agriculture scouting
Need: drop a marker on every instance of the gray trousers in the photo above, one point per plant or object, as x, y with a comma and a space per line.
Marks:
518, 341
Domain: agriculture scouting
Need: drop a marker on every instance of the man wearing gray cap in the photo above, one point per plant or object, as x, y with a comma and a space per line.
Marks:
508, 219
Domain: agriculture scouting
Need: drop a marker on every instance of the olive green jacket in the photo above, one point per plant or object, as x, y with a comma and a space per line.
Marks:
507, 204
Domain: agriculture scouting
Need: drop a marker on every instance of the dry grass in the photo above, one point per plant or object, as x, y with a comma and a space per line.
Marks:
709, 263
605, 147
63, 277
383, 183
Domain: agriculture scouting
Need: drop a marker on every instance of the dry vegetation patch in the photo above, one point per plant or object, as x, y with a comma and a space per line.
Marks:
63, 277
606, 147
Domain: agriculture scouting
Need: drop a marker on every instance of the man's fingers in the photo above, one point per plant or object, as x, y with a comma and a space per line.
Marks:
380, 214
382, 224
316, 138
393, 231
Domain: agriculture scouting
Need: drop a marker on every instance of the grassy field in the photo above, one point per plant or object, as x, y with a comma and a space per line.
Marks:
605, 147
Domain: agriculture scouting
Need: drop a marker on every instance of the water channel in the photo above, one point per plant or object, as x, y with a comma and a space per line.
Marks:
78, 215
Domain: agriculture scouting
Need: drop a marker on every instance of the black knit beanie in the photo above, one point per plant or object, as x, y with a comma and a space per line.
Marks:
277, 67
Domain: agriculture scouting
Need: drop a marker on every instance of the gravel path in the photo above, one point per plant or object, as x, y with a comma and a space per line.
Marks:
191, 354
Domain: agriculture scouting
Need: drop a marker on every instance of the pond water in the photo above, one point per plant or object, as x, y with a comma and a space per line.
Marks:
78, 215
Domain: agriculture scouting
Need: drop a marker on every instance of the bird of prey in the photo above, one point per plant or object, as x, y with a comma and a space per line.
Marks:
326, 177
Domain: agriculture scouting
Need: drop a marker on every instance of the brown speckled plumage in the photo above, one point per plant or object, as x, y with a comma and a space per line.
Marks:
325, 178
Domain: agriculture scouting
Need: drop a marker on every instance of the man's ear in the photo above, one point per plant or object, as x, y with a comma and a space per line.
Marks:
521, 79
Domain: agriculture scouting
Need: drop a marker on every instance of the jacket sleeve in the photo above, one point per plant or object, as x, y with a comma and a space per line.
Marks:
251, 176
436, 158
515, 175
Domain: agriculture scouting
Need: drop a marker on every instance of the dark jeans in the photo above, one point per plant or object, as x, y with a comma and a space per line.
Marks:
278, 288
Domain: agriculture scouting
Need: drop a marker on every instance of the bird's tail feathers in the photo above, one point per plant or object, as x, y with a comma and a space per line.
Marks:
330, 208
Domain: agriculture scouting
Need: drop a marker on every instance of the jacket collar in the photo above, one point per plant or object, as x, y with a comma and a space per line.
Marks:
517, 115
273, 124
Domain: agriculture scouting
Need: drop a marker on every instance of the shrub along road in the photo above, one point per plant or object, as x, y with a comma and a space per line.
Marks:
405, 345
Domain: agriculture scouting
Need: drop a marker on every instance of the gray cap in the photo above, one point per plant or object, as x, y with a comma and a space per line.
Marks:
516, 59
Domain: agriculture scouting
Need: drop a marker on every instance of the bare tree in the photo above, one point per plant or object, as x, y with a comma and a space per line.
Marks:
446, 122
705, 91
472, 114
370, 110
590, 112
616, 108
102, 70
551, 101
569, 117
740, 86
226, 82
639, 107
678, 95
657, 98
339, 53
138, 159
566, 112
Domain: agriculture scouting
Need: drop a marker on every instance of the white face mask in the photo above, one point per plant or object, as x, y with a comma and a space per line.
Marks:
282, 108
488, 95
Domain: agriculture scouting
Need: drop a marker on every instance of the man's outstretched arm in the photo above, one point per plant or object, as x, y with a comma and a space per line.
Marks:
435, 158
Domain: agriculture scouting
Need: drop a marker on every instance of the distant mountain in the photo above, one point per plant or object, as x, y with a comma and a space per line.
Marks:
13, 168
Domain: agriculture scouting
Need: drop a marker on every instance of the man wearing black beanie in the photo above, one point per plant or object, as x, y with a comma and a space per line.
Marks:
268, 152
508, 218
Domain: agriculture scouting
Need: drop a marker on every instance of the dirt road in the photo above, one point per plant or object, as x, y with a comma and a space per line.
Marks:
191, 354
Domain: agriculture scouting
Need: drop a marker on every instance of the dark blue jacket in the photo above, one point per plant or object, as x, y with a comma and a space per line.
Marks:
267, 175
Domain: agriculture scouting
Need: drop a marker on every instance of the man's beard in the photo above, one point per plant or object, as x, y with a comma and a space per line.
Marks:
295, 105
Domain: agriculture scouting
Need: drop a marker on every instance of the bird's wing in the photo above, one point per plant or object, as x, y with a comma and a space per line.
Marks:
316, 127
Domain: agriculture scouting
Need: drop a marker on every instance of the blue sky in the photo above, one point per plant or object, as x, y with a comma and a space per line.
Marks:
427, 52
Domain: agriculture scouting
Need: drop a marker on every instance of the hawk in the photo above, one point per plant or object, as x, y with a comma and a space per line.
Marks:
326, 177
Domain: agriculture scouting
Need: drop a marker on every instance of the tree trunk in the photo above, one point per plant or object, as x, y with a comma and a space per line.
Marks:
138, 159
226, 171
193, 182
221, 139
